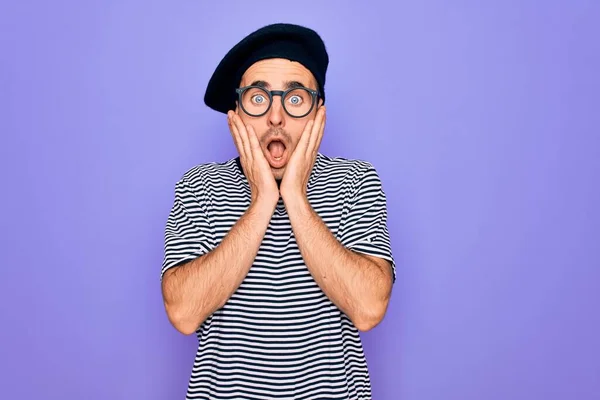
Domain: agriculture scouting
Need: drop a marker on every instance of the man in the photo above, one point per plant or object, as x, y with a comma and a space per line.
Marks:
278, 258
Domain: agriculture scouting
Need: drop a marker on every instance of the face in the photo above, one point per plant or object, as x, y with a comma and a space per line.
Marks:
278, 132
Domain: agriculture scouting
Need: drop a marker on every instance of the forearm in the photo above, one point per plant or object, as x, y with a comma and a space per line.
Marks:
355, 284
195, 290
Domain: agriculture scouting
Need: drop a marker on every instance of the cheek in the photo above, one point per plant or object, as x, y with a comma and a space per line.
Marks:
255, 123
298, 129
296, 139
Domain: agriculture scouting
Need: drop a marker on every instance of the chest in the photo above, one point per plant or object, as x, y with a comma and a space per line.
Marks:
279, 256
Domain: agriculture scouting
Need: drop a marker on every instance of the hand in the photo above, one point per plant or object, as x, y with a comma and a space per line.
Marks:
299, 168
256, 167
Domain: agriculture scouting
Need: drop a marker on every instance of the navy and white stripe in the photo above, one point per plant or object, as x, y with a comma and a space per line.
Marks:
278, 336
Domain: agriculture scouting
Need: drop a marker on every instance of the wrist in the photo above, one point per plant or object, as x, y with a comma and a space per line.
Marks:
296, 203
264, 204
292, 195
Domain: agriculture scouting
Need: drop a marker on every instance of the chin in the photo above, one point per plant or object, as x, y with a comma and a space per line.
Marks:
278, 173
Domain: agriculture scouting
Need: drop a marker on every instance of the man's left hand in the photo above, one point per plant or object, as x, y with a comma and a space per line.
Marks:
299, 168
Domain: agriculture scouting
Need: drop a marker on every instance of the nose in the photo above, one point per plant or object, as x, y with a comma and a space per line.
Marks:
276, 117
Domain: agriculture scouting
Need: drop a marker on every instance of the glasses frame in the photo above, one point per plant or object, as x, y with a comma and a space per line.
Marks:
315, 94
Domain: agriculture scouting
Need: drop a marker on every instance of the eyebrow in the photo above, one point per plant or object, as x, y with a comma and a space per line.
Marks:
287, 85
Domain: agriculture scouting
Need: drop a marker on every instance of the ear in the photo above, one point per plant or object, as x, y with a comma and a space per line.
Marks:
320, 102
237, 107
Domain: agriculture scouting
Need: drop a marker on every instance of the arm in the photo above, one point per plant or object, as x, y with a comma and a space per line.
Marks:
195, 289
357, 271
358, 284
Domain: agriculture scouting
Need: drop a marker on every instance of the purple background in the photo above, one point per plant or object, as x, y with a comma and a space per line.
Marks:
482, 118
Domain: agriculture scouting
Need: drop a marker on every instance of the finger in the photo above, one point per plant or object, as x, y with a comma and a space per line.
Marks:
243, 134
316, 132
236, 135
320, 135
305, 137
254, 143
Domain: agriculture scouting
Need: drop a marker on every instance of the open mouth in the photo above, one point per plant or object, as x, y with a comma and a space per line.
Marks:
277, 153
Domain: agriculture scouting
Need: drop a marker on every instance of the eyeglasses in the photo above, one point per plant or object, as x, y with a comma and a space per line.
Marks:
297, 102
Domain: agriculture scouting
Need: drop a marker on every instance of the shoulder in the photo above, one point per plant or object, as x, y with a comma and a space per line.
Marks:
350, 169
207, 175
211, 171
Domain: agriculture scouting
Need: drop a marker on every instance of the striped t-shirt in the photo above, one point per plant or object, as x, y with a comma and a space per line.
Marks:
278, 336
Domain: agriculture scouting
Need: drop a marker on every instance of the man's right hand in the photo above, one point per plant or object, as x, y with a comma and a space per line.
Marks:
195, 290
256, 167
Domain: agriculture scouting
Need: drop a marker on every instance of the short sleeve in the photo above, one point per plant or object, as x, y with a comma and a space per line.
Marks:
189, 232
364, 226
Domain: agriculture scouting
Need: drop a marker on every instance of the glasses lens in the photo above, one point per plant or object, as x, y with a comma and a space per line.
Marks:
298, 102
255, 101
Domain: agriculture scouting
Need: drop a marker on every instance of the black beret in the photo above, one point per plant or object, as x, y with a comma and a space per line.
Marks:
289, 41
